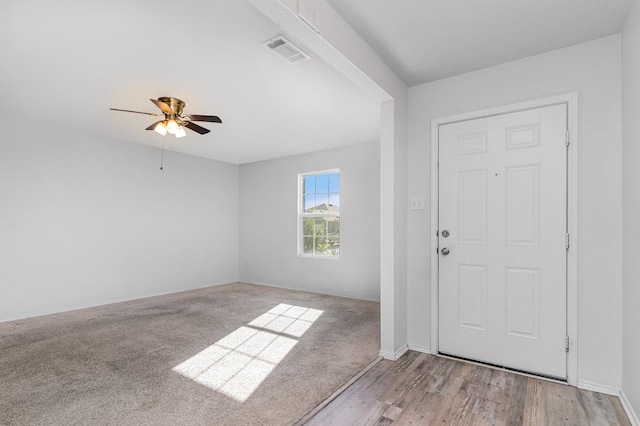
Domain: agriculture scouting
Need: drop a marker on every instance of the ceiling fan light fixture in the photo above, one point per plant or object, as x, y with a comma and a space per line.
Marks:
172, 126
160, 128
180, 133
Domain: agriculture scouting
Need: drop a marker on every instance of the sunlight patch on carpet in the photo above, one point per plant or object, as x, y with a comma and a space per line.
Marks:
239, 362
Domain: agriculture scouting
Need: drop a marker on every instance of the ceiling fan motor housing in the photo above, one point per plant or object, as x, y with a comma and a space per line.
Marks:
175, 104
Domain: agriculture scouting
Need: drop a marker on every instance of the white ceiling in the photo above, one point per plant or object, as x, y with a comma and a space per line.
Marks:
68, 61
426, 40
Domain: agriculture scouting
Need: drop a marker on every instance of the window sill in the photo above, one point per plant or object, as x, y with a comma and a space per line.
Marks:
315, 256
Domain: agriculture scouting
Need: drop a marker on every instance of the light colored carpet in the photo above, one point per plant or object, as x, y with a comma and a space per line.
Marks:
136, 362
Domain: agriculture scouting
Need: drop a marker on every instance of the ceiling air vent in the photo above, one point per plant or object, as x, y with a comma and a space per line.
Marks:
286, 49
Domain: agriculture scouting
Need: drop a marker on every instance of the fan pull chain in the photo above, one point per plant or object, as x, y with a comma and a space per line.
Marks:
162, 158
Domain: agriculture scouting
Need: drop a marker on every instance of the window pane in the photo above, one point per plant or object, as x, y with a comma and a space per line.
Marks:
322, 184
308, 227
321, 245
320, 226
327, 246
333, 227
307, 245
334, 182
322, 202
309, 203
334, 200
333, 246
310, 184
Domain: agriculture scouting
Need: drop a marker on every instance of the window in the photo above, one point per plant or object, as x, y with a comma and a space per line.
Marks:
319, 214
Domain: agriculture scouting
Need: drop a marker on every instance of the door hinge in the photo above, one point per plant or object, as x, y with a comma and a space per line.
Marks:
566, 343
566, 241
568, 138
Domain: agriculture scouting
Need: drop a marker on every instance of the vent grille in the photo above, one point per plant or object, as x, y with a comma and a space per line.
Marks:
286, 49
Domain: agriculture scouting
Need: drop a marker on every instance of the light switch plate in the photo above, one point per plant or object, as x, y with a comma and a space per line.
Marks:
417, 203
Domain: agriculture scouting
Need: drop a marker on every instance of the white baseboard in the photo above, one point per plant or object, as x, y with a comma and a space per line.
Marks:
633, 417
394, 356
596, 387
609, 390
311, 290
419, 348
109, 302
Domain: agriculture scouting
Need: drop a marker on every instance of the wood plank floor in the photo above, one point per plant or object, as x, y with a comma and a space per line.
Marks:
421, 389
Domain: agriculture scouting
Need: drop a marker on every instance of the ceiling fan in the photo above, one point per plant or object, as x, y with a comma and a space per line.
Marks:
174, 121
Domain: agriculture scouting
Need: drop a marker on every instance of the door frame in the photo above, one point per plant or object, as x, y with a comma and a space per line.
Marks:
571, 100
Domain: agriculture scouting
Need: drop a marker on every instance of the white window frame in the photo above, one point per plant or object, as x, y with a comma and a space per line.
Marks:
302, 215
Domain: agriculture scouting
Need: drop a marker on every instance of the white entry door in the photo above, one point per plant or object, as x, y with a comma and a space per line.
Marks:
503, 238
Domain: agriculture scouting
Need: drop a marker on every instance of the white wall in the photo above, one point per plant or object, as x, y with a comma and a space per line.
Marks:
87, 221
631, 209
593, 70
268, 217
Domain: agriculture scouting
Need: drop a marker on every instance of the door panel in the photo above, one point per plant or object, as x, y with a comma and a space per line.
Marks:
502, 285
472, 290
523, 302
472, 214
523, 205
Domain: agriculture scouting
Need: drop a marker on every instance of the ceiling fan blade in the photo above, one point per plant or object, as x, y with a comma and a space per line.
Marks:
137, 112
163, 106
209, 118
196, 128
153, 126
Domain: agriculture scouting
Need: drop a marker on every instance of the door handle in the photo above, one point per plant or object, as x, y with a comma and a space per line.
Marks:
444, 251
